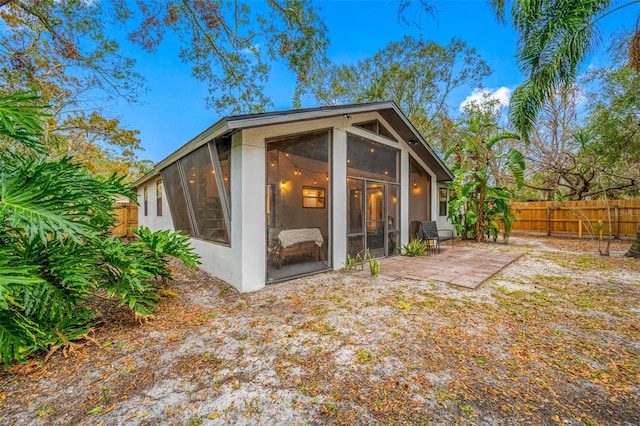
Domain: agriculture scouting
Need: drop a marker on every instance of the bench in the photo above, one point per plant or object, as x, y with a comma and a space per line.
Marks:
293, 242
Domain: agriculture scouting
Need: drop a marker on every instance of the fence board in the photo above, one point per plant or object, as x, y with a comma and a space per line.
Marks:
620, 217
126, 217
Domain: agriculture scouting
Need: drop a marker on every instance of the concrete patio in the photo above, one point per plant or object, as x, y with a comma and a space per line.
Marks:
461, 266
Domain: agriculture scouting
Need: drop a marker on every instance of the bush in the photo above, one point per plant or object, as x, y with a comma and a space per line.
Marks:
415, 247
56, 251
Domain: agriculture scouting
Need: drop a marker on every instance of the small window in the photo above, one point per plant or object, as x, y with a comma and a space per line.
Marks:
443, 201
159, 197
146, 201
313, 197
376, 127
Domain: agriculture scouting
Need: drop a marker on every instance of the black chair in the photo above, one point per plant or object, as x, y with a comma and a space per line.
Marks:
428, 230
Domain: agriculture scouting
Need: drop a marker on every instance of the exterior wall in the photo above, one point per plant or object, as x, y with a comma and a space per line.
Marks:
404, 198
443, 221
152, 220
339, 195
248, 239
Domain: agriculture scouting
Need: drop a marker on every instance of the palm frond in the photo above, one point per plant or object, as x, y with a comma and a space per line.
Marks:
555, 37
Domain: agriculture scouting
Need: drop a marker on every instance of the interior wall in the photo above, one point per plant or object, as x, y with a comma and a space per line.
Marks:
420, 187
288, 189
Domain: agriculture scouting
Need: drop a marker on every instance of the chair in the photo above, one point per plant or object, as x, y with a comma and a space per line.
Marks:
428, 230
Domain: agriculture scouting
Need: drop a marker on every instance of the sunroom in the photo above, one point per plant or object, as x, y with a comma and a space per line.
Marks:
272, 196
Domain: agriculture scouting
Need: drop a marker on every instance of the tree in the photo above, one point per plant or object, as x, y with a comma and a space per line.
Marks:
419, 76
56, 253
613, 119
59, 49
230, 44
554, 39
62, 50
478, 203
559, 165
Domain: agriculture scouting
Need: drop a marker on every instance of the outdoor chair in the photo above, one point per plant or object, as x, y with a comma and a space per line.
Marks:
428, 231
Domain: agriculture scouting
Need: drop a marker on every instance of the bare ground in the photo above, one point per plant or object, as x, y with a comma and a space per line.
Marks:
553, 339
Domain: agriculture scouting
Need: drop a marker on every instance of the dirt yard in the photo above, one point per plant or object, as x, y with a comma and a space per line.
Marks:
554, 338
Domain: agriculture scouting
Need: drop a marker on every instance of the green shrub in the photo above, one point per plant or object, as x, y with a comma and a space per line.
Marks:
56, 251
415, 247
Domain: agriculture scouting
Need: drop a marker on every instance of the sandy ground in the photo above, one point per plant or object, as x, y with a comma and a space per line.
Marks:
554, 338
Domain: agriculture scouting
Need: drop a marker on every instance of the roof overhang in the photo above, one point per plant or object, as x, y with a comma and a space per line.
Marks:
387, 109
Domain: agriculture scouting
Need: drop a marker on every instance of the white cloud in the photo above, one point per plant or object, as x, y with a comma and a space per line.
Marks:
501, 94
250, 52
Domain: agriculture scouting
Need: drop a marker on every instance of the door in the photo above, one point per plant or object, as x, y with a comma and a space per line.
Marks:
373, 224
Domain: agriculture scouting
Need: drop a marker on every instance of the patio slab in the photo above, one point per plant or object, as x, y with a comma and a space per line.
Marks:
461, 266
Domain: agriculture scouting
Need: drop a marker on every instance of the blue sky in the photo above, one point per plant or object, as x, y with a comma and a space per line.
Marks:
173, 110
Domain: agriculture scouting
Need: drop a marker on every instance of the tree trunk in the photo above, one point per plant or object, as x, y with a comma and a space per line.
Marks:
634, 251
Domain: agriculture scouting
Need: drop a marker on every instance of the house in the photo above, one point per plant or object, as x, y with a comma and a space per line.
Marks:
271, 196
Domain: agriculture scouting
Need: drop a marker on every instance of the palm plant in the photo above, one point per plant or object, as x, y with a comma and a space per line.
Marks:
56, 253
469, 210
554, 39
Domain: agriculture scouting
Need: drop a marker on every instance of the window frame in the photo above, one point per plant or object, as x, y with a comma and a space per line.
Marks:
319, 198
443, 203
145, 198
378, 125
224, 197
159, 197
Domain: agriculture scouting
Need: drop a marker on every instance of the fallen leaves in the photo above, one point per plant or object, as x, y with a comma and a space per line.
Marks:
533, 348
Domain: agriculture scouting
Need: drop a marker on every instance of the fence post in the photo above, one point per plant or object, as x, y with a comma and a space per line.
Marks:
548, 221
580, 228
616, 219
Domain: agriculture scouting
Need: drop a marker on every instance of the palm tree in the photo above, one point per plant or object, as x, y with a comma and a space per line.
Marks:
555, 38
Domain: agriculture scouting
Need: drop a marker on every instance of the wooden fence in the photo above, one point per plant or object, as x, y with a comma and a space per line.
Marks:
580, 218
127, 217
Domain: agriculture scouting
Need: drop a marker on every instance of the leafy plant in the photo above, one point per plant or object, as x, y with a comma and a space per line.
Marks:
477, 205
56, 252
415, 247
350, 263
374, 267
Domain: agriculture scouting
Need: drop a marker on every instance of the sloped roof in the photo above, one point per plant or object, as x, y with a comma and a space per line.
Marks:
387, 109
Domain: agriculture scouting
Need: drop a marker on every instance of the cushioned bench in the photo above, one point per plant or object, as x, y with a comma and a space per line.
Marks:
293, 242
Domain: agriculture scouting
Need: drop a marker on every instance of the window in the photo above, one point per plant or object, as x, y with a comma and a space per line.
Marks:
371, 160
204, 195
146, 201
376, 127
312, 197
298, 196
159, 197
197, 188
177, 200
223, 149
442, 196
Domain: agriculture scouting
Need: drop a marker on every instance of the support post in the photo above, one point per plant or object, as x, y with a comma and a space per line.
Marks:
580, 228
548, 221
125, 224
